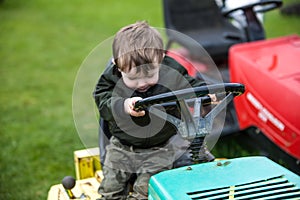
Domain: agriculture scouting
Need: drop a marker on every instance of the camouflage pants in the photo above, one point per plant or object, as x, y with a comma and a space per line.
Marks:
122, 161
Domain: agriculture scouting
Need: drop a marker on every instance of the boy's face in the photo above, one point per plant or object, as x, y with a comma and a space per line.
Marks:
140, 81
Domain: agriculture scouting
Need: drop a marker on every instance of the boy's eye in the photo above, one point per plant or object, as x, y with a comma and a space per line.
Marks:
135, 78
132, 78
151, 75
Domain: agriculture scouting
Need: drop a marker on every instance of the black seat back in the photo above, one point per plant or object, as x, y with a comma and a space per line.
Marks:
104, 136
191, 14
203, 22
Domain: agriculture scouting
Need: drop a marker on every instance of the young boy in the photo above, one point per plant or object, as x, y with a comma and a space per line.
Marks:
141, 143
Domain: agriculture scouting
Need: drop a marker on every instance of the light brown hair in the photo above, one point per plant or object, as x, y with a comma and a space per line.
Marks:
137, 45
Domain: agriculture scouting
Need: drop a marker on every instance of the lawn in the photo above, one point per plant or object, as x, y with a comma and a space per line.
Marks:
43, 44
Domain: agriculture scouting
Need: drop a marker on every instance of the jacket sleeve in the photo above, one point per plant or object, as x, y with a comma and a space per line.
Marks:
107, 103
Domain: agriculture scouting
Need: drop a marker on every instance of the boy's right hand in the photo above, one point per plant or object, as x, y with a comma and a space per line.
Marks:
129, 107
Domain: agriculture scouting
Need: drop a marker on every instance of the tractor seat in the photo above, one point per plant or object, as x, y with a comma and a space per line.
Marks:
204, 23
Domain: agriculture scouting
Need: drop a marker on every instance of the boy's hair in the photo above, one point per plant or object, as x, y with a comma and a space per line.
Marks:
136, 45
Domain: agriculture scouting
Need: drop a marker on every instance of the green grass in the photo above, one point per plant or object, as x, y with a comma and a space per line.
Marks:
277, 25
42, 46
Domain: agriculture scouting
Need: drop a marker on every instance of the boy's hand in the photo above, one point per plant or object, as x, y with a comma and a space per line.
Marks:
213, 97
129, 105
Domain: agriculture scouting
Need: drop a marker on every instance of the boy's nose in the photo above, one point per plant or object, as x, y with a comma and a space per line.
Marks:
142, 83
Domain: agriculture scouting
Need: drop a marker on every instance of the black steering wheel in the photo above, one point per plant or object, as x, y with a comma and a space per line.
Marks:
254, 28
219, 89
192, 125
264, 6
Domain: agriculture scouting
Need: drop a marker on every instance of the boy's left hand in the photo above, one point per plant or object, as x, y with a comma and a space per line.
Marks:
129, 107
213, 97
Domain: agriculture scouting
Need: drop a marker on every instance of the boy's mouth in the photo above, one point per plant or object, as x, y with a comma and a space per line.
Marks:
143, 89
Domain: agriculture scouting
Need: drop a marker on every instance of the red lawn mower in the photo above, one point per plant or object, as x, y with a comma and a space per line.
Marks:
268, 114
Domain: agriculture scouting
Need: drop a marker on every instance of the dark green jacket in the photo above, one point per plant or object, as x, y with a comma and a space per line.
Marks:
141, 132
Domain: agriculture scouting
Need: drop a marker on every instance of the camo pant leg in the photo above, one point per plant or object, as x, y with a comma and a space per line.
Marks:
115, 174
113, 184
140, 187
151, 161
